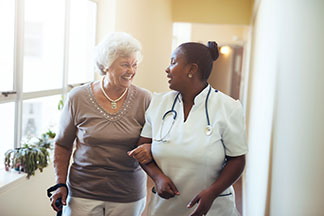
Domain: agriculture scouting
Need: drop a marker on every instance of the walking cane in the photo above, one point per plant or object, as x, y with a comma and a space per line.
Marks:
58, 202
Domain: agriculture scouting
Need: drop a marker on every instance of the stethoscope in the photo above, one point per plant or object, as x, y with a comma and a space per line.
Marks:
208, 129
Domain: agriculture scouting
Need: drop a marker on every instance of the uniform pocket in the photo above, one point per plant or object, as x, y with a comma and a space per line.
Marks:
225, 194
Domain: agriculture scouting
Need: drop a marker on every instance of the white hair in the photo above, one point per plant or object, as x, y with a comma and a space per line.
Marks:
114, 45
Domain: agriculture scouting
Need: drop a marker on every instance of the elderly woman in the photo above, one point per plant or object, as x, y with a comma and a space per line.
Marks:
104, 119
198, 139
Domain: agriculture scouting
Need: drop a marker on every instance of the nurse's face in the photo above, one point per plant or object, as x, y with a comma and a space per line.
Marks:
177, 71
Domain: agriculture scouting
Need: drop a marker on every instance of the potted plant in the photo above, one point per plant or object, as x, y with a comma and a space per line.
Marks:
30, 156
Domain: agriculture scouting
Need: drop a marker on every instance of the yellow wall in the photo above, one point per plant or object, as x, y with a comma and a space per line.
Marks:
222, 34
220, 77
150, 22
212, 11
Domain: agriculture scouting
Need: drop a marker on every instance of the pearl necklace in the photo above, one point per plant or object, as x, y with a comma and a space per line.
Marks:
113, 102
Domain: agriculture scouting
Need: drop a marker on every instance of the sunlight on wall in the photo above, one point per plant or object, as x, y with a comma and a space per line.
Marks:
181, 34
261, 98
285, 167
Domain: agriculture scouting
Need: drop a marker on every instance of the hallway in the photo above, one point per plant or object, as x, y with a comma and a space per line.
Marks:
281, 90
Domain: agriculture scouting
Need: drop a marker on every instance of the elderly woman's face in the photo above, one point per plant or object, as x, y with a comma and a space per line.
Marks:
123, 70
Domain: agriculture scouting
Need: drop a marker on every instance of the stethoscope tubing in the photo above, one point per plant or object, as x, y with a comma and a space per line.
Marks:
172, 110
206, 106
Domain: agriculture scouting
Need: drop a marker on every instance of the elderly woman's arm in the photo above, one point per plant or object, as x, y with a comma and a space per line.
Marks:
163, 184
142, 153
61, 163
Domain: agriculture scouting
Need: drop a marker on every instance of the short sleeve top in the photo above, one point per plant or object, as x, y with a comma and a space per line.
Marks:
186, 154
101, 168
225, 113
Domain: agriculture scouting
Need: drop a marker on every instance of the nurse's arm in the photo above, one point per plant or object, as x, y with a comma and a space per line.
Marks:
230, 173
164, 185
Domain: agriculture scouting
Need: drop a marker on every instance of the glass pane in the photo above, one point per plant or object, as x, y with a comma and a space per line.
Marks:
7, 40
39, 115
82, 41
43, 44
7, 115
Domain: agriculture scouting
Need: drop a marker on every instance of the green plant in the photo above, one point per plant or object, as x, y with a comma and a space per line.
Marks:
60, 104
31, 156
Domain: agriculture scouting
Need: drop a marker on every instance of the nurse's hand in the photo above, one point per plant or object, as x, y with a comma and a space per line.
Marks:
142, 153
204, 200
165, 187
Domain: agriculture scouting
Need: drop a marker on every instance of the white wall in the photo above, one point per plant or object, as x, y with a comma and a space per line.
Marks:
151, 23
285, 167
260, 109
298, 141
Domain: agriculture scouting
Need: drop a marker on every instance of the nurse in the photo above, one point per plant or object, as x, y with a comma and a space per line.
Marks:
198, 139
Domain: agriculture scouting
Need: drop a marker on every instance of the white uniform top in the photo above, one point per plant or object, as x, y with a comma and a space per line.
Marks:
190, 158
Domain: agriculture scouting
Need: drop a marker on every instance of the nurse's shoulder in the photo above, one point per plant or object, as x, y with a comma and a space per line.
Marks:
227, 103
160, 98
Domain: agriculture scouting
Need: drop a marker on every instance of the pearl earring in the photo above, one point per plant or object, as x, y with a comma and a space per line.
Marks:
189, 75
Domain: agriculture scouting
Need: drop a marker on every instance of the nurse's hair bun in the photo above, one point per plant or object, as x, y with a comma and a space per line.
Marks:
213, 49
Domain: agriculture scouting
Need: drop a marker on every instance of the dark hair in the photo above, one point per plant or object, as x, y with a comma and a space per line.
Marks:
201, 55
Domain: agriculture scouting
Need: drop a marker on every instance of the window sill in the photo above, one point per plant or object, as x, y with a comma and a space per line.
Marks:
10, 178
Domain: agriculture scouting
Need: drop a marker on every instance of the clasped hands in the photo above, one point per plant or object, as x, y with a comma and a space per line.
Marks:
166, 189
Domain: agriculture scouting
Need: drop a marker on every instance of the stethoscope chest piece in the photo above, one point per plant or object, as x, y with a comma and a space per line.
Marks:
208, 130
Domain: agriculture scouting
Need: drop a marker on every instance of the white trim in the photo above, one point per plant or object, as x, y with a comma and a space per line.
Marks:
246, 70
255, 10
66, 46
7, 99
38, 94
95, 30
18, 68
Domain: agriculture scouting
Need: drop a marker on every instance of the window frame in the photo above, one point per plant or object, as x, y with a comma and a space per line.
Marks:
16, 94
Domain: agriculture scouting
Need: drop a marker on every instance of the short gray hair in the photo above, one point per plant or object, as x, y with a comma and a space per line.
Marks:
114, 45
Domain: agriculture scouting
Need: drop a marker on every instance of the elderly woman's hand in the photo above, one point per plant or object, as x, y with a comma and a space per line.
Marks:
142, 153
59, 193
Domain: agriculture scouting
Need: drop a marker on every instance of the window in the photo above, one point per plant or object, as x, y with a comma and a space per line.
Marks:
83, 19
7, 23
43, 44
39, 115
7, 116
181, 34
46, 47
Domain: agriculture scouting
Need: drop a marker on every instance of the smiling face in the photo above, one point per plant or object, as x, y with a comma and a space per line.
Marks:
122, 71
177, 71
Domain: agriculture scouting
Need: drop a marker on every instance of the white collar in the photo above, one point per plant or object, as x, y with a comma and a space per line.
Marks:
201, 97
